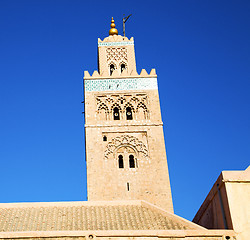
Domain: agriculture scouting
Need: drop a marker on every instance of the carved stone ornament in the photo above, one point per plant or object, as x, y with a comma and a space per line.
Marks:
125, 140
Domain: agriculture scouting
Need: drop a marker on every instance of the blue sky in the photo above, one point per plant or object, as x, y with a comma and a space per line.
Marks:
201, 53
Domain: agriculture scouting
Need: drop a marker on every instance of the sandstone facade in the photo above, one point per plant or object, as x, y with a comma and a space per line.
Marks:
227, 205
136, 134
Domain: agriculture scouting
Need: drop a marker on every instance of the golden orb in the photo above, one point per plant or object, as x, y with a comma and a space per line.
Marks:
113, 30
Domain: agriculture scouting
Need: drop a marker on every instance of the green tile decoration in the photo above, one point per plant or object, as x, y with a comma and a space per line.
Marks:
98, 85
100, 44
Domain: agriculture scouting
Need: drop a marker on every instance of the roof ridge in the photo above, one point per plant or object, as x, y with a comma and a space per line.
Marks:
173, 216
70, 203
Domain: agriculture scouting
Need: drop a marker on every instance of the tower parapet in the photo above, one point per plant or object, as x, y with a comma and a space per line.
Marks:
118, 74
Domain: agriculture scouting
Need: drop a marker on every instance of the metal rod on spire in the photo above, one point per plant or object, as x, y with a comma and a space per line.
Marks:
123, 21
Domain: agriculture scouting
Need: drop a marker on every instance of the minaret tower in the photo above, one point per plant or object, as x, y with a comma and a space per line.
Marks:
125, 150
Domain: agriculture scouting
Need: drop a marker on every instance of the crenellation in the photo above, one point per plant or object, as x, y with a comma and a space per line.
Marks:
86, 74
117, 74
143, 73
152, 72
116, 38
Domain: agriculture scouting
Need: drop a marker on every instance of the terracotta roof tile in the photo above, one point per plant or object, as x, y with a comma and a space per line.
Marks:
76, 216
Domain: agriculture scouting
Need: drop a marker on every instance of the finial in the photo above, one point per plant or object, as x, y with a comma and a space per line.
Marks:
113, 30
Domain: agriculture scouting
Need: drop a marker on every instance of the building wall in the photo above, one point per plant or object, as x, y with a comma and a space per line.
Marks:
123, 238
234, 188
210, 214
108, 140
123, 235
142, 137
239, 204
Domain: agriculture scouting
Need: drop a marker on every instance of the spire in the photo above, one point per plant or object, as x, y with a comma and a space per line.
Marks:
113, 30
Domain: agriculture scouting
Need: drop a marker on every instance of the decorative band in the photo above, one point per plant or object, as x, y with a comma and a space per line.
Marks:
120, 84
100, 44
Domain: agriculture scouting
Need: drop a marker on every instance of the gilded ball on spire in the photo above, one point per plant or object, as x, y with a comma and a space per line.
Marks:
113, 30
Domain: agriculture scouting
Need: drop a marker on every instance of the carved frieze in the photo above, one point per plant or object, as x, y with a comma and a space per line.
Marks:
137, 102
125, 140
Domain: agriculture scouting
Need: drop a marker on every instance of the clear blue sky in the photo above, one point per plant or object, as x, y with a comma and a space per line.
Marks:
201, 53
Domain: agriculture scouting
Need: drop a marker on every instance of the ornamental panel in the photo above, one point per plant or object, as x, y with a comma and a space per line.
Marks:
98, 85
125, 140
100, 44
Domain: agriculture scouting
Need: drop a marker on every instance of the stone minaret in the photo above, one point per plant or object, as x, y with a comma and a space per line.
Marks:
125, 150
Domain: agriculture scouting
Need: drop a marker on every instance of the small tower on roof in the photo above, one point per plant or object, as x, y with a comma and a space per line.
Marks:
125, 150
116, 55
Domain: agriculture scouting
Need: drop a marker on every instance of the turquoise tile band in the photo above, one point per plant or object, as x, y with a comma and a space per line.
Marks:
120, 84
100, 44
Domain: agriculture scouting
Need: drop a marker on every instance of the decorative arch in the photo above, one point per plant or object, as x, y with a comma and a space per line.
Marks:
103, 106
125, 140
132, 148
128, 104
103, 111
112, 67
142, 109
141, 105
123, 66
116, 105
116, 109
129, 111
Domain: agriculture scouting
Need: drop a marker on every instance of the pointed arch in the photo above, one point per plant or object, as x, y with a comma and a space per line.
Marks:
116, 109
128, 104
142, 105
103, 106
103, 111
116, 105
122, 66
112, 67
142, 111
129, 111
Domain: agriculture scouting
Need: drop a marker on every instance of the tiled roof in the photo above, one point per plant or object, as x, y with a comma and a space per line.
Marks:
81, 216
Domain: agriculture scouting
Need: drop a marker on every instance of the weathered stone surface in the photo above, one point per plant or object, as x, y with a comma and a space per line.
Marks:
228, 204
140, 137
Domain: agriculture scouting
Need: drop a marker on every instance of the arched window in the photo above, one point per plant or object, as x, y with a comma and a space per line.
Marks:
129, 113
120, 161
116, 113
123, 67
131, 161
112, 68
104, 138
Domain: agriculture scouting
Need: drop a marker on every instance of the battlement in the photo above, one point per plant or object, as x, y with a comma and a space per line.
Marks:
118, 74
115, 38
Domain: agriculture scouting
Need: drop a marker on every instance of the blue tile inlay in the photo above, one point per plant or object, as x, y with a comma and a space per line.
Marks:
120, 84
100, 44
